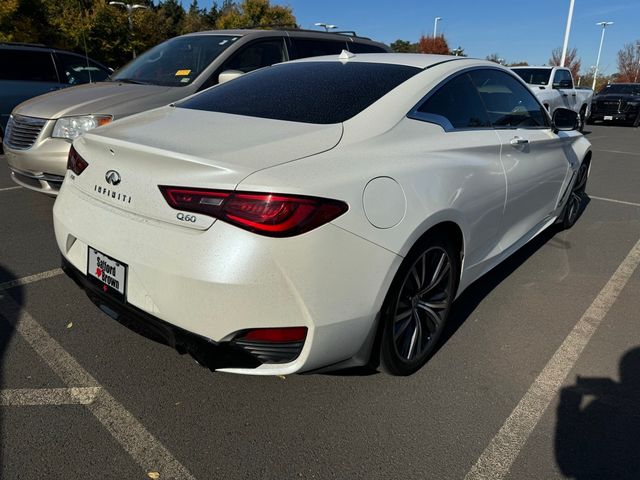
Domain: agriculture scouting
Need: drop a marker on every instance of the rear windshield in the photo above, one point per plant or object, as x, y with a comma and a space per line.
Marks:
176, 62
309, 92
629, 89
534, 76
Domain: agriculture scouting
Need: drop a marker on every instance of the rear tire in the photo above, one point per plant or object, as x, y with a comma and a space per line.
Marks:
577, 197
418, 304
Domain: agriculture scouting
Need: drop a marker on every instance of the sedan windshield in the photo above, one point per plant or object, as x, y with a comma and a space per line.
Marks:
176, 62
534, 76
308, 92
621, 89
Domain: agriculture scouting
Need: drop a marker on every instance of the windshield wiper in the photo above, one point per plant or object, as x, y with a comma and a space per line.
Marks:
129, 80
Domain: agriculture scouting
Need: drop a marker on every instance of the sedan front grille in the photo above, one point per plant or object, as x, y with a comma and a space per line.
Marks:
22, 132
610, 106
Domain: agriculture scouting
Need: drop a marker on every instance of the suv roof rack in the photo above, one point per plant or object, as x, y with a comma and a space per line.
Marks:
294, 27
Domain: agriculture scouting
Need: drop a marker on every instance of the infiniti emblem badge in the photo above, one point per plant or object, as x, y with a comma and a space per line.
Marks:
112, 177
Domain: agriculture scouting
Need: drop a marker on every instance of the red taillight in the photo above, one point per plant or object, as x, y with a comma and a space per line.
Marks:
265, 213
275, 335
75, 162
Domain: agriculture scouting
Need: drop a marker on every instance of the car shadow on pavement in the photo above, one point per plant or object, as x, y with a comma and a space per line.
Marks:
598, 425
469, 300
10, 297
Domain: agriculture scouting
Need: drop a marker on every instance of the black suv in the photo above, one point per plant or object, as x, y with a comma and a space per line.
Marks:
28, 70
617, 102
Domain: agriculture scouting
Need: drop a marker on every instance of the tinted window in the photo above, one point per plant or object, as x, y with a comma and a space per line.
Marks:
628, 89
309, 92
459, 103
508, 102
315, 48
176, 62
27, 65
534, 76
75, 70
364, 48
562, 79
257, 55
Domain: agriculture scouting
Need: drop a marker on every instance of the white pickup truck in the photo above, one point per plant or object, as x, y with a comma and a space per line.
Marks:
554, 88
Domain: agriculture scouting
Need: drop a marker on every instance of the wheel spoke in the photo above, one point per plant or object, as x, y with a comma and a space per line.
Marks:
414, 336
432, 318
439, 274
416, 277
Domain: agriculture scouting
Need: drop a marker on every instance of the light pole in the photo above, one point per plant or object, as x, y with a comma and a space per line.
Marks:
129, 9
326, 26
635, 80
567, 31
604, 26
435, 26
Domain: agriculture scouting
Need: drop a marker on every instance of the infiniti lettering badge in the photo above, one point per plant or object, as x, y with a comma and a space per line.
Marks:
112, 177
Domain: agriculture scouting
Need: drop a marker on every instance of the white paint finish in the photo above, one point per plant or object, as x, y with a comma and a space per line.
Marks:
48, 396
384, 202
143, 447
180, 274
497, 459
30, 279
621, 202
8, 189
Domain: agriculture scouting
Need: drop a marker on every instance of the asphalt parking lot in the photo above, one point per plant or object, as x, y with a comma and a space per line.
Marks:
536, 379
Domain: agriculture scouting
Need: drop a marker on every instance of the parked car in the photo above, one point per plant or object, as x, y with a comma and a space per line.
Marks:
617, 102
272, 230
554, 87
44, 127
28, 70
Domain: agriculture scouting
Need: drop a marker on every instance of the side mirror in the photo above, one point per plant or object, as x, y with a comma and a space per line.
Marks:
565, 120
228, 75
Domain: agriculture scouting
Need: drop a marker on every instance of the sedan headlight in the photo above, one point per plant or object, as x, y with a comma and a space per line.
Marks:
72, 127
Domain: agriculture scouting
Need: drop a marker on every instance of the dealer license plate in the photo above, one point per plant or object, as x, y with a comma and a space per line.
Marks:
608, 117
106, 272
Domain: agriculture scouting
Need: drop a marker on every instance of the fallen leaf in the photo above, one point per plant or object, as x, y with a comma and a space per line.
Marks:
282, 377
70, 324
153, 475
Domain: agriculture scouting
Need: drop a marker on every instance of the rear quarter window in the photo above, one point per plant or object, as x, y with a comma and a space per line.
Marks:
27, 65
309, 92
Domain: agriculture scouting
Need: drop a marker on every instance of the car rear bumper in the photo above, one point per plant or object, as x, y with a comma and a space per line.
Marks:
218, 282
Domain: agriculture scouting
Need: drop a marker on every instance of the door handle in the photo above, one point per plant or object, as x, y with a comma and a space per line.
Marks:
573, 94
565, 94
515, 141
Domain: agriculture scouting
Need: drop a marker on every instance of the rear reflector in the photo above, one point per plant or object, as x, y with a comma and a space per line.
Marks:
75, 162
275, 335
269, 214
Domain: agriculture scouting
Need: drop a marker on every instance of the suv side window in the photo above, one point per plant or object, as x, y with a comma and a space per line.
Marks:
455, 105
509, 103
27, 65
73, 70
257, 55
355, 47
305, 47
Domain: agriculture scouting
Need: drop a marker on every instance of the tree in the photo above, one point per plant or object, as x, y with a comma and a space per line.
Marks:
458, 52
195, 20
254, 14
494, 57
518, 64
437, 45
572, 62
404, 46
629, 62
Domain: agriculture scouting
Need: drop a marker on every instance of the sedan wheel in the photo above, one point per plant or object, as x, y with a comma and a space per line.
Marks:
419, 305
574, 204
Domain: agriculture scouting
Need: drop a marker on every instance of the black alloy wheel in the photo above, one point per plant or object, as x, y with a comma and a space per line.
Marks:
418, 305
577, 197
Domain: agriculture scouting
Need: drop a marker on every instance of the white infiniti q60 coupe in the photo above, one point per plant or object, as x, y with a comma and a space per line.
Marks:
319, 213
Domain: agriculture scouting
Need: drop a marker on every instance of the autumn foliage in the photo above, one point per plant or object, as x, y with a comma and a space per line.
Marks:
629, 63
572, 62
437, 45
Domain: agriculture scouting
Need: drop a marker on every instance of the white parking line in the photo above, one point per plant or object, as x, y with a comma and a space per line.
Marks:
48, 396
497, 459
30, 279
143, 447
9, 188
617, 151
614, 201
